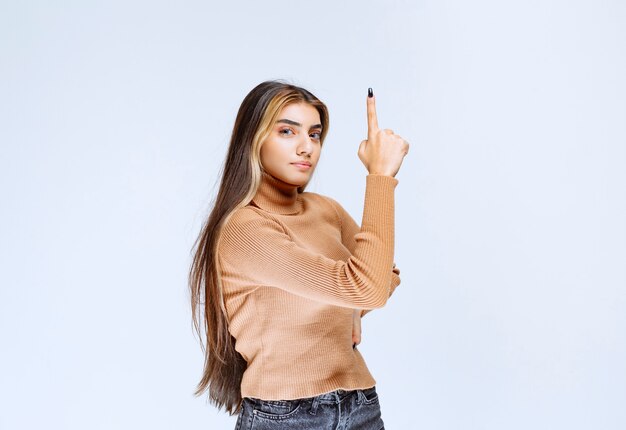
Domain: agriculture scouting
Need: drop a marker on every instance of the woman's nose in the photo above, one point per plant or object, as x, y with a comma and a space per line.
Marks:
305, 146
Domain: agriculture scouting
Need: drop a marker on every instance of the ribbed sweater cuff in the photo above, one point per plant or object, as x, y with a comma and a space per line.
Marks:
372, 176
379, 201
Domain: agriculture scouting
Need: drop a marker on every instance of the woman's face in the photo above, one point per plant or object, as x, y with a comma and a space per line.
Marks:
294, 139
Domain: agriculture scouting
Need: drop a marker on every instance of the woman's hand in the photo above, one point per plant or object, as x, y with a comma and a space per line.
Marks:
383, 151
356, 327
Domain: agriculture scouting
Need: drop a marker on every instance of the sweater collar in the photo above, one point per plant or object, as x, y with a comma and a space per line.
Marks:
277, 196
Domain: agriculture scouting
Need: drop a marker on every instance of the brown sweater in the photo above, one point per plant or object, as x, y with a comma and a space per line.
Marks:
293, 268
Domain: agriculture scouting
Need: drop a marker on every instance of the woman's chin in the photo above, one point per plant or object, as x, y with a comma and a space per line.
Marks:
298, 183
297, 180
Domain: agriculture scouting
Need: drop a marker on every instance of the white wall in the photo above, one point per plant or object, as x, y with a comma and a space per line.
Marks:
511, 240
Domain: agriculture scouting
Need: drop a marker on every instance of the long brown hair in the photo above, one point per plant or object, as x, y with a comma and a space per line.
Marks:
223, 365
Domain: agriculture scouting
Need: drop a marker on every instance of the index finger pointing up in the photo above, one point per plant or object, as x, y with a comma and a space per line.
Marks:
372, 119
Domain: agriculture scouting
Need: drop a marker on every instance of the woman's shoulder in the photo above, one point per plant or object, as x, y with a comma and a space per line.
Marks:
245, 215
322, 200
319, 198
324, 203
246, 223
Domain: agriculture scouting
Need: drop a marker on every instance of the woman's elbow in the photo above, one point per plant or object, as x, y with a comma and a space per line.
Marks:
377, 300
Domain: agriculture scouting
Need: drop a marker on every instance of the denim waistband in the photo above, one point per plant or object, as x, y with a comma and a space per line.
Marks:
297, 412
334, 396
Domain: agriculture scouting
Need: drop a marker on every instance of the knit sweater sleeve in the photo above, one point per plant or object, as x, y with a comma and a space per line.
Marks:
349, 229
256, 250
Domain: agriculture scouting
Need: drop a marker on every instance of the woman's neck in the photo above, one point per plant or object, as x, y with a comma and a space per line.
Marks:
277, 196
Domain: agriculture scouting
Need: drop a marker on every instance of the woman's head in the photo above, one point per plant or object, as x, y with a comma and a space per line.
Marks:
292, 149
261, 142
278, 124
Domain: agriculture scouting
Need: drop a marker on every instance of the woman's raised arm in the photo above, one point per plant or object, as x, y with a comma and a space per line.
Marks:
255, 251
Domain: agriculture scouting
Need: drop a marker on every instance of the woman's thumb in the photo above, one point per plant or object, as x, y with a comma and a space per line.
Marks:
362, 150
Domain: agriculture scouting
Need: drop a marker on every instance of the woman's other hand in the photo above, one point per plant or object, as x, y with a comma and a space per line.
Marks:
383, 150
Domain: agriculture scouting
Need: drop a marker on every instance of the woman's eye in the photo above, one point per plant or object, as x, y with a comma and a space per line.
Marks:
285, 131
316, 135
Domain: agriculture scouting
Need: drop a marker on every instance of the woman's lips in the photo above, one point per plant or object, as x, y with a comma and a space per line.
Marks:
302, 165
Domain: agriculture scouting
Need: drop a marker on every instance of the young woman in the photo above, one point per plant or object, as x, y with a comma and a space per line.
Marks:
281, 277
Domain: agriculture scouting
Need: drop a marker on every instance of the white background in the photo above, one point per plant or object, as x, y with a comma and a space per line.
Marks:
114, 121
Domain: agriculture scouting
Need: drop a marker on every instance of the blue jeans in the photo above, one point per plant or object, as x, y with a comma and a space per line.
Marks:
337, 410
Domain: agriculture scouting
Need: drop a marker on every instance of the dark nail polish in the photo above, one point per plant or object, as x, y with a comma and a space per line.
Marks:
370, 93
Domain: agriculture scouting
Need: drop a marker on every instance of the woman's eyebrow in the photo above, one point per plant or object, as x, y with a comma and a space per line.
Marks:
297, 124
